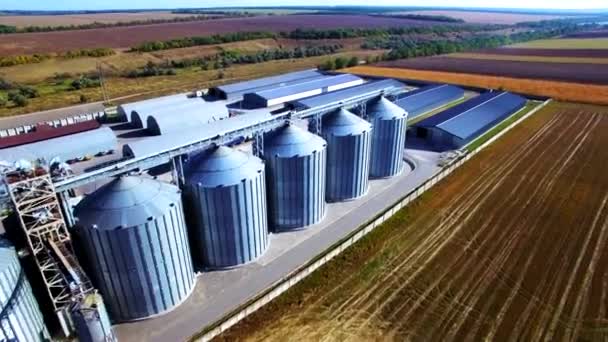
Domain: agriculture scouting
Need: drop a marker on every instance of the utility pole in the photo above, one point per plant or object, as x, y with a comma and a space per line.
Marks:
102, 83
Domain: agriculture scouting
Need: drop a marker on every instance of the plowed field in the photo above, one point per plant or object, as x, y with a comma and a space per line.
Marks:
512, 247
124, 37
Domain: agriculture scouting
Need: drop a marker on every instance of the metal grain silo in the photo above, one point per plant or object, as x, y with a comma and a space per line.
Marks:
226, 194
348, 151
388, 139
295, 167
20, 319
135, 238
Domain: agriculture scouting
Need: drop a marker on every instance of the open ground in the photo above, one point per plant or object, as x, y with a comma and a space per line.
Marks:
483, 17
514, 253
84, 19
567, 72
124, 37
576, 92
565, 43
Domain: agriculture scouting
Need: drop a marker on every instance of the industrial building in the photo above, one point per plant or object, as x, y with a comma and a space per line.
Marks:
195, 115
235, 91
388, 138
463, 123
295, 168
287, 93
348, 93
349, 140
225, 195
143, 238
66, 148
20, 317
428, 98
134, 234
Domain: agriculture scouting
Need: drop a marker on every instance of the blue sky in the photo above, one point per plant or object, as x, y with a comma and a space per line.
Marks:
122, 4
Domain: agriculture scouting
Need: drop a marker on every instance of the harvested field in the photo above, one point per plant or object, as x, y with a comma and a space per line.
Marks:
590, 34
542, 59
489, 17
581, 73
570, 43
511, 247
123, 37
584, 53
575, 92
84, 19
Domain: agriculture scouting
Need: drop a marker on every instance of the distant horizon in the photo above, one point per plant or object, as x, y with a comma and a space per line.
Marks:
68, 6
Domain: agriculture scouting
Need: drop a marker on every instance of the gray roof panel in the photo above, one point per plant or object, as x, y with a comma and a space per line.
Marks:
307, 86
275, 81
345, 94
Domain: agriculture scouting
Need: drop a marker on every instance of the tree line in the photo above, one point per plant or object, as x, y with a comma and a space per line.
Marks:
201, 40
37, 58
227, 58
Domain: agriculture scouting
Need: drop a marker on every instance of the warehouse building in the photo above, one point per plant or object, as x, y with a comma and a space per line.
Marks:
281, 95
429, 98
125, 111
235, 91
192, 115
457, 126
346, 94
66, 148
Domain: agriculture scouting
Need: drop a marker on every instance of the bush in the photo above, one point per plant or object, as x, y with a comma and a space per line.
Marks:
20, 100
84, 98
328, 65
5, 84
340, 63
84, 82
354, 61
28, 92
3, 102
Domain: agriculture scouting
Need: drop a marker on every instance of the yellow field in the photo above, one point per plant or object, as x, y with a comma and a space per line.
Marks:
544, 59
574, 43
563, 91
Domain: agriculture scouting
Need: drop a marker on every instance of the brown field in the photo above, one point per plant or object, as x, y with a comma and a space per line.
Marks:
511, 247
562, 91
541, 59
84, 19
590, 34
489, 17
567, 72
584, 53
124, 37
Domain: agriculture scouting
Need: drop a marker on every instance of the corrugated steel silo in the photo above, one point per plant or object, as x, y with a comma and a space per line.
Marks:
388, 142
226, 193
295, 167
135, 238
348, 155
20, 318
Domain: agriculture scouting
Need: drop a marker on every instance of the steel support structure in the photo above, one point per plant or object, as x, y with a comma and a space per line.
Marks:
35, 201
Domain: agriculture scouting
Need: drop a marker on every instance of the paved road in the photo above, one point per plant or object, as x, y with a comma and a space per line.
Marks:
47, 115
220, 292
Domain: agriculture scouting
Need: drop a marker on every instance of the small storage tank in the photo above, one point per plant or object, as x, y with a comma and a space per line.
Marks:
133, 233
20, 317
226, 201
295, 167
349, 140
388, 142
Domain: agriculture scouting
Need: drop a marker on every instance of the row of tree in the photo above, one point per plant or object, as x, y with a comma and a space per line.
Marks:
37, 58
201, 40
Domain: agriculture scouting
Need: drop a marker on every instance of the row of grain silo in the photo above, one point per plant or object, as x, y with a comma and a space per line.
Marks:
137, 232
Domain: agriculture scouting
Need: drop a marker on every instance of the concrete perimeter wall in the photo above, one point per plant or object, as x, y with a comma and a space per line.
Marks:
306, 269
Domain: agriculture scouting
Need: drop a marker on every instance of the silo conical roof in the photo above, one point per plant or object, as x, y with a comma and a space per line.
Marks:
342, 123
384, 109
290, 141
223, 166
126, 202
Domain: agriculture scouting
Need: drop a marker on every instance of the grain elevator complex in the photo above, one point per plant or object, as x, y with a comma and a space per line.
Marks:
138, 208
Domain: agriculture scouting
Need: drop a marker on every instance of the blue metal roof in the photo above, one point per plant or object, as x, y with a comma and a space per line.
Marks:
476, 115
343, 122
276, 81
222, 166
345, 94
157, 144
66, 148
295, 89
290, 141
425, 99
